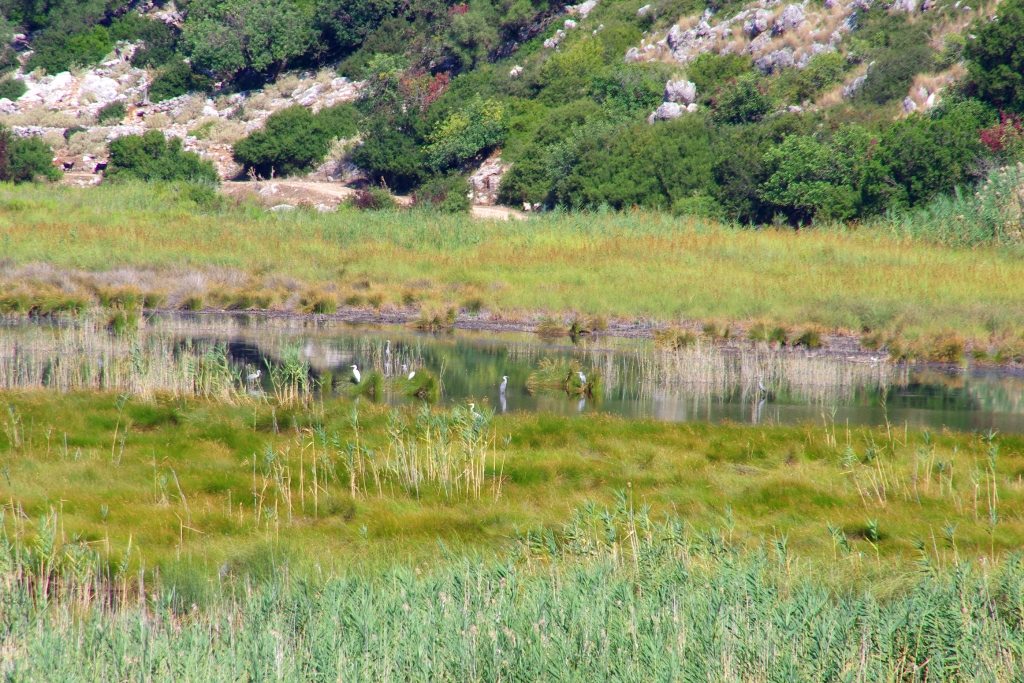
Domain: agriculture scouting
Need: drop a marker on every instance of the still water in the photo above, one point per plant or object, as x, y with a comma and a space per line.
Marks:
744, 383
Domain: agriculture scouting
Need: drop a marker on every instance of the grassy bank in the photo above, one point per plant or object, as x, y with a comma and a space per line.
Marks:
93, 244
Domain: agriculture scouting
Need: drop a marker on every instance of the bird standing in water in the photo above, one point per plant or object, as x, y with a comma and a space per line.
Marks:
356, 377
504, 384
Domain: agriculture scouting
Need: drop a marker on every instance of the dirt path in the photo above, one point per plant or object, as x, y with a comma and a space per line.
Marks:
326, 196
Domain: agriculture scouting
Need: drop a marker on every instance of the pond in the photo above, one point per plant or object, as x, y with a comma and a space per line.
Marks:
213, 355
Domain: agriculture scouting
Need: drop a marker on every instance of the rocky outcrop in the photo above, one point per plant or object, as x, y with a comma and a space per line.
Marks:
485, 182
681, 92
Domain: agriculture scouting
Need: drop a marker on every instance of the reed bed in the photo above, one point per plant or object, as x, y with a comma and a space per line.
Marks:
614, 594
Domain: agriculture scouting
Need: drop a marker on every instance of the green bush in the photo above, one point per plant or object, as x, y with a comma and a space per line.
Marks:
111, 113
176, 79
893, 71
447, 193
294, 139
227, 37
812, 180
57, 51
12, 88
25, 159
642, 165
995, 57
711, 71
466, 134
391, 153
152, 157
741, 101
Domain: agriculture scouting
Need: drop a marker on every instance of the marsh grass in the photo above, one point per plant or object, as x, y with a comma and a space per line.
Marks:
624, 266
615, 592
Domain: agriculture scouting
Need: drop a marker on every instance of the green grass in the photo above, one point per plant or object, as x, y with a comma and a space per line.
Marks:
637, 265
193, 483
185, 539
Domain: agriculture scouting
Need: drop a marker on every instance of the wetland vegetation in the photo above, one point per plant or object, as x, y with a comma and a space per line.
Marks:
294, 527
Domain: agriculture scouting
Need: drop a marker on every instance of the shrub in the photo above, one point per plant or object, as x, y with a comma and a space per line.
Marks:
811, 179
152, 157
25, 159
12, 88
112, 112
893, 71
176, 79
57, 50
372, 199
467, 133
226, 37
448, 193
995, 57
710, 71
742, 101
642, 165
390, 153
293, 140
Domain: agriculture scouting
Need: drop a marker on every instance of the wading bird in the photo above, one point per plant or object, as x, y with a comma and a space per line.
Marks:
504, 384
356, 377
583, 378
253, 376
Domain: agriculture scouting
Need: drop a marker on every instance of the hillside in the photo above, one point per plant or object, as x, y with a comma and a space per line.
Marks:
760, 112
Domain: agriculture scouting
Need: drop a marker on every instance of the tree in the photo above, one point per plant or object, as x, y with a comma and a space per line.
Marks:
995, 57
152, 157
812, 179
24, 160
466, 133
294, 139
226, 37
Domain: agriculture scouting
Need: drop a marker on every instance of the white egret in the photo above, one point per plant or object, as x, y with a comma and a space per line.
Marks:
472, 411
355, 374
253, 376
504, 384
583, 378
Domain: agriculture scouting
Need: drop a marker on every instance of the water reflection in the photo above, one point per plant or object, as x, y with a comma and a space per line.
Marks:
214, 356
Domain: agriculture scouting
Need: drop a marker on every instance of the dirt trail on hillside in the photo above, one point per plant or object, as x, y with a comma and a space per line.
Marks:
326, 196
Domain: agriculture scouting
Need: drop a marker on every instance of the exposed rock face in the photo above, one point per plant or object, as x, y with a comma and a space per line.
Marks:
791, 17
666, 112
909, 105
680, 92
583, 9
758, 23
515, 72
643, 11
486, 180
775, 61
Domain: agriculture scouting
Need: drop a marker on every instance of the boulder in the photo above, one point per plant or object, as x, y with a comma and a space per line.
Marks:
666, 112
757, 23
643, 11
681, 91
789, 18
570, 24
486, 180
775, 61
515, 72
583, 9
